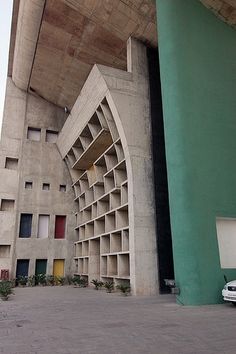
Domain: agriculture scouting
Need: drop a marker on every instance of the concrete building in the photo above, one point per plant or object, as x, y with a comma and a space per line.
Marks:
118, 163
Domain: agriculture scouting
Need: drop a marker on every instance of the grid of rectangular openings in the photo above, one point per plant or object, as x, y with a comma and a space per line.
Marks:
101, 188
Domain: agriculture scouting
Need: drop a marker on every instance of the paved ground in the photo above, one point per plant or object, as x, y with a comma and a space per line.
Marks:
67, 320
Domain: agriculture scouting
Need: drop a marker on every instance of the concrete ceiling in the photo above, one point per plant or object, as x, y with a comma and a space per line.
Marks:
74, 35
224, 9
56, 42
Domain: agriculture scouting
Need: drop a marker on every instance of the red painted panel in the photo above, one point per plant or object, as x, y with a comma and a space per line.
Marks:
4, 274
60, 226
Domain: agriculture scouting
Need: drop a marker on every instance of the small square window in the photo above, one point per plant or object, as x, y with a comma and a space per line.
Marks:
5, 251
51, 136
11, 163
28, 185
46, 186
7, 205
62, 188
34, 134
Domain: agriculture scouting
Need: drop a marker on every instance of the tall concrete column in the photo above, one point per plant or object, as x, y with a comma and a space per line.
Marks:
198, 75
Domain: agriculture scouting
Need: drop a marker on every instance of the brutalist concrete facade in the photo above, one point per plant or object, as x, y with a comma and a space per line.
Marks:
33, 163
111, 234
83, 113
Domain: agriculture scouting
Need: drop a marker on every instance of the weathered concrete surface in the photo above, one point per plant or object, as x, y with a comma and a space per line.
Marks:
28, 24
127, 94
38, 162
224, 9
74, 35
66, 320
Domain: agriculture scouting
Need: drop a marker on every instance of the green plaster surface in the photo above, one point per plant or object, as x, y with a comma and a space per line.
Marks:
198, 75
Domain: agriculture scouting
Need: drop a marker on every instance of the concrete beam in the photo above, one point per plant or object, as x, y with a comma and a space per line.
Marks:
28, 26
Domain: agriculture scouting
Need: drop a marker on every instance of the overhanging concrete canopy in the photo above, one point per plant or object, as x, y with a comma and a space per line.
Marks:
58, 41
57, 44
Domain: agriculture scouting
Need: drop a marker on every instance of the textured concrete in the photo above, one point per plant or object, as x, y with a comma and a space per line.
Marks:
224, 9
127, 94
38, 162
28, 24
69, 320
73, 36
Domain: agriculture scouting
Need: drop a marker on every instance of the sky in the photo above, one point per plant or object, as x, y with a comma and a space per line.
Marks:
5, 27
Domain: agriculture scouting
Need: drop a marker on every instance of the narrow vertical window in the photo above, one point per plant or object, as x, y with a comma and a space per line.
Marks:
25, 225
60, 226
43, 226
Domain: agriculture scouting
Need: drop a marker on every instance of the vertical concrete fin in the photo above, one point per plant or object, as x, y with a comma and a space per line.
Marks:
136, 57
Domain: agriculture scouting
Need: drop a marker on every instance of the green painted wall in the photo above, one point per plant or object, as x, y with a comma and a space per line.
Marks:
198, 75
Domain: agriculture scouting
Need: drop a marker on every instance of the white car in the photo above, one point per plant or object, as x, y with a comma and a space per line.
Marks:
229, 292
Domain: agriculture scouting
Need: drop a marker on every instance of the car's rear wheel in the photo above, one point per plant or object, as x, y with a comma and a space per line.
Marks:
234, 303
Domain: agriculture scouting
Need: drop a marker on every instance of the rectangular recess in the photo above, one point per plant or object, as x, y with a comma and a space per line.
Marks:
78, 249
123, 265
115, 200
122, 218
62, 188
112, 265
5, 251
25, 225
28, 185
46, 186
110, 224
89, 230
51, 136
99, 226
60, 226
124, 193
104, 265
7, 204
11, 163
85, 248
34, 134
116, 242
226, 235
125, 240
43, 226
105, 244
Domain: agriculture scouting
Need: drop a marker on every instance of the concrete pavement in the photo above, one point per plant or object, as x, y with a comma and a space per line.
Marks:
67, 320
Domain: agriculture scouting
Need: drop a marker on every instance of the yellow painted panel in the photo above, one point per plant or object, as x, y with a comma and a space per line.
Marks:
58, 267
